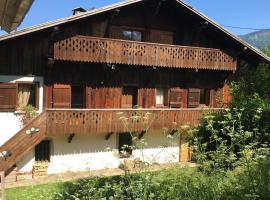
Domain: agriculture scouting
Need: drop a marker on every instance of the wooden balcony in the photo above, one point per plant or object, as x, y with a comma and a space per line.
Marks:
113, 51
61, 121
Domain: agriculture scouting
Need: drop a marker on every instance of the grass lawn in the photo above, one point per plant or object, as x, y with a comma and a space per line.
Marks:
38, 192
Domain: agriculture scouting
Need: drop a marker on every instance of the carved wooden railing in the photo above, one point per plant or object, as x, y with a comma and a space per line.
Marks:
21, 143
119, 120
104, 50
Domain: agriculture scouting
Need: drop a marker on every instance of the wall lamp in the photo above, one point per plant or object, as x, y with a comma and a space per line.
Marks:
70, 137
107, 137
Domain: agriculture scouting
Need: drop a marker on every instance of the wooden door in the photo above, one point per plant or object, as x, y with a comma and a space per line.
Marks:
61, 96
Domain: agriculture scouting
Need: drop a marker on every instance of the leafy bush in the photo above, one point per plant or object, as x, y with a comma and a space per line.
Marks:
29, 112
176, 183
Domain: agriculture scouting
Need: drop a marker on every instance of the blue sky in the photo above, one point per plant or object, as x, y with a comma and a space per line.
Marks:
241, 13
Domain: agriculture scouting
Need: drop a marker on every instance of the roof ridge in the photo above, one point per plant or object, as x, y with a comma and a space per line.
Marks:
49, 24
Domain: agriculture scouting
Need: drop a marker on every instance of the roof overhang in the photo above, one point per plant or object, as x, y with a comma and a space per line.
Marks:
12, 13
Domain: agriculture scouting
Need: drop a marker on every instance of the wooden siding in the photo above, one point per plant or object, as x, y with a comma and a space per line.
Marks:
101, 50
61, 121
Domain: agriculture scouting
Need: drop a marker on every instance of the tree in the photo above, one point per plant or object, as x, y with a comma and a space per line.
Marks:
266, 50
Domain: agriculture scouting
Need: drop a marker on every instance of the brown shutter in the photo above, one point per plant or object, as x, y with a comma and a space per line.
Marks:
8, 96
176, 98
193, 98
61, 96
147, 97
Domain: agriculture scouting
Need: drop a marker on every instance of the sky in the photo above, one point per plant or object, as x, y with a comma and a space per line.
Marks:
237, 13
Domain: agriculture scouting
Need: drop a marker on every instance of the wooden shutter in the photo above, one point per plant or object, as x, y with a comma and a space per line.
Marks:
176, 98
8, 96
193, 98
147, 97
61, 96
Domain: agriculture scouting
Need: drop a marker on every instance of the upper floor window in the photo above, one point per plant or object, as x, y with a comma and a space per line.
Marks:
161, 96
132, 35
197, 97
27, 95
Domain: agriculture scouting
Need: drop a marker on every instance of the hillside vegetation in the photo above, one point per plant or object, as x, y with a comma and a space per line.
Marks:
259, 39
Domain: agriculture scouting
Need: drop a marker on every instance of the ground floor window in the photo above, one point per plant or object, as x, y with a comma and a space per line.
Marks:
124, 144
43, 151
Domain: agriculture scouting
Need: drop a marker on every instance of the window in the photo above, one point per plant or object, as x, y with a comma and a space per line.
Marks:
161, 96
43, 151
77, 96
124, 144
132, 35
27, 94
204, 97
197, 97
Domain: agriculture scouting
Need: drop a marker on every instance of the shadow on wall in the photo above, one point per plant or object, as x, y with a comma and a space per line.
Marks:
96, 143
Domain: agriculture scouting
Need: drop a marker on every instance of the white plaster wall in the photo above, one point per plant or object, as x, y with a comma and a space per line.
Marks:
85, 152
27, 162
9, 126
93, 152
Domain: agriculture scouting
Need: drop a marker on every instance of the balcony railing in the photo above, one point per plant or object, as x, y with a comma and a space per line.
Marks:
104, 50
62, 121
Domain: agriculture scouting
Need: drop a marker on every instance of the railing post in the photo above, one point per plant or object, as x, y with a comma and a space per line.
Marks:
2, 185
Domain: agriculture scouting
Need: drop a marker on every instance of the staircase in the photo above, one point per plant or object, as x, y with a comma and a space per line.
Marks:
21, 143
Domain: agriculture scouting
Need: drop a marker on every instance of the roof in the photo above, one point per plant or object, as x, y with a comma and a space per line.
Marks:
12, 13
126, 3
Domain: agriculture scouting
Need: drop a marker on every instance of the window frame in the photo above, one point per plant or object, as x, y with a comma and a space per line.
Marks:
84, 95
165, 97
205, 101
37, 86
132, 29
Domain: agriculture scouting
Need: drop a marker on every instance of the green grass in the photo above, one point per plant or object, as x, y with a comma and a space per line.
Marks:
39, 192
173, 184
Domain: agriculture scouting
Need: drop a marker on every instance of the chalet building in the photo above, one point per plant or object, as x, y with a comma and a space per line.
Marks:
135, 66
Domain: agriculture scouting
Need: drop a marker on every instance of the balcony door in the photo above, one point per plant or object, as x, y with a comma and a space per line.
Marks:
129, 97
77, 96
